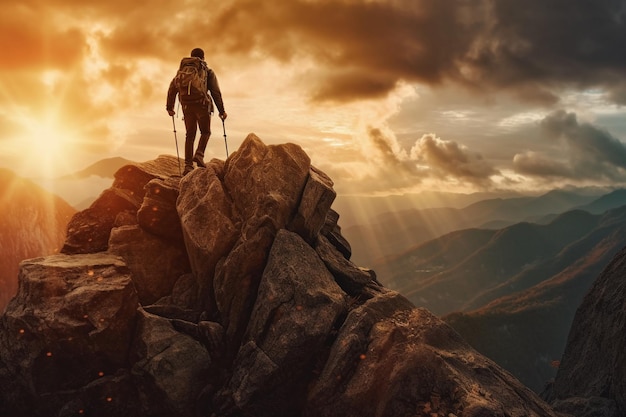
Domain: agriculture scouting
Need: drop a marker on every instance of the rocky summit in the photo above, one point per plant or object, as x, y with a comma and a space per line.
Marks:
230, 292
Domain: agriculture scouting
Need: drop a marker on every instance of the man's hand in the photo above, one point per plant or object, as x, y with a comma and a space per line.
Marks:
171, 112
223, 116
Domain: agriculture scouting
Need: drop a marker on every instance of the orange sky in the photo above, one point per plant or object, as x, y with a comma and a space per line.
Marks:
385, 96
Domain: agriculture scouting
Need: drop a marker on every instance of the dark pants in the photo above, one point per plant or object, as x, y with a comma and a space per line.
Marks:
196, 115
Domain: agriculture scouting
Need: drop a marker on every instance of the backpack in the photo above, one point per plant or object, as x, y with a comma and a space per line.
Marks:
191, 80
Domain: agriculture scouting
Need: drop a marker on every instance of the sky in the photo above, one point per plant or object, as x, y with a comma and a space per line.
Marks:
386, 97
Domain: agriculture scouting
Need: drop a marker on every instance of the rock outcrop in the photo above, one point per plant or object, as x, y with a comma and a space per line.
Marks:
229, 292
591, 380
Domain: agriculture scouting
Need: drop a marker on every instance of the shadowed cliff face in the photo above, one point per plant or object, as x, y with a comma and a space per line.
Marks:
591, 379
230, 292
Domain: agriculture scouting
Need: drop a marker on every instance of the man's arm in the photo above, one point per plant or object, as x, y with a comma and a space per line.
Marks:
171, 98
214, 88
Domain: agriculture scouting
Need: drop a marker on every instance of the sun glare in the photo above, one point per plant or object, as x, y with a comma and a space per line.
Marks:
45, 146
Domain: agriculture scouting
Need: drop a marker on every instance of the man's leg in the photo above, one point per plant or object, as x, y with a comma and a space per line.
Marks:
204, 122
191, 124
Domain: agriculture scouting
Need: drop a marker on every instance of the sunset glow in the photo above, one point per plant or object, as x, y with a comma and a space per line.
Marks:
386, 97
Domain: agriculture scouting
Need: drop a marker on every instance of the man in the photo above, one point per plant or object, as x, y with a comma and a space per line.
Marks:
192, 83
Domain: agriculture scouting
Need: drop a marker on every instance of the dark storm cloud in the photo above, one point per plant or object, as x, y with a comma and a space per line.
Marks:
585, 140
584, 151
532, 47
543, 44
362, 48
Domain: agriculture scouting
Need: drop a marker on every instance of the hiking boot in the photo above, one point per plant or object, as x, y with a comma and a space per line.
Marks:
198, 157
188, 169
199, 160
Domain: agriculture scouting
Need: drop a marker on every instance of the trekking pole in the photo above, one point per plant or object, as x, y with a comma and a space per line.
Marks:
225, 143
176, 141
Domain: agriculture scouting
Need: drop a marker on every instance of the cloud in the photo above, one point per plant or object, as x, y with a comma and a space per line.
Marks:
363, 48
431, 160
536, 164
448, 159
29, 41
582, 151
360, 49
532, 48
542, 45
343, 86
618, 94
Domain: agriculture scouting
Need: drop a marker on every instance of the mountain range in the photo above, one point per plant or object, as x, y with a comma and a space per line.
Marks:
104, 168
395, 232
512, 292
80, 188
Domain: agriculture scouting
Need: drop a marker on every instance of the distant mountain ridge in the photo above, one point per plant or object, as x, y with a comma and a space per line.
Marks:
393, 233
606, 202
81, 188
104, 168
450, 281
361, 209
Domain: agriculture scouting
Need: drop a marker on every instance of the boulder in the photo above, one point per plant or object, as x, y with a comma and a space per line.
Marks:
184, 294
177, 365
390, 359
155, 264
314, 205
259, 194
332, 231
71, 321
273, 178
267, 180
297, 307
209, 226
134, 177
88, 231
350, 277
157, 213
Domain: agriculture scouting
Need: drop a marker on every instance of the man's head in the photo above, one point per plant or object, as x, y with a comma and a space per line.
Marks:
197, 52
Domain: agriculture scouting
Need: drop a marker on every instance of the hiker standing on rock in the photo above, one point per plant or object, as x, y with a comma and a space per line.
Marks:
193, 83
